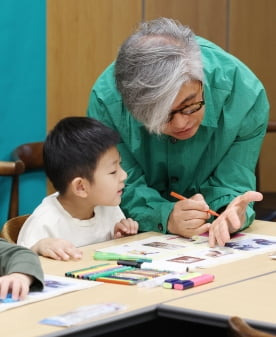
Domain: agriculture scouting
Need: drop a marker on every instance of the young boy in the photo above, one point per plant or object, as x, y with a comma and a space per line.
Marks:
83, 164
20, 271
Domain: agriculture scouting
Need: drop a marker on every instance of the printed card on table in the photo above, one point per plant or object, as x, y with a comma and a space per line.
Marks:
54, 286
195, 251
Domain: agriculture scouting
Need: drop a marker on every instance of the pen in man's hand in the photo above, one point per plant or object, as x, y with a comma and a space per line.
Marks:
180, 197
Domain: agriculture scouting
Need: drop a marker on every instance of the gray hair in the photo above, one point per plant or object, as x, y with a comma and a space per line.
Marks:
151, 67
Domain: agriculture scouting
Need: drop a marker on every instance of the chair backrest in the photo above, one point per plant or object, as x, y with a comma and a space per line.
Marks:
239, 328
12, 169
31, 154
28, 156
12, 228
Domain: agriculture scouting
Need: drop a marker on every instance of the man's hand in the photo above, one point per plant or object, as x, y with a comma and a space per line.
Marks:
189, 217
232, 219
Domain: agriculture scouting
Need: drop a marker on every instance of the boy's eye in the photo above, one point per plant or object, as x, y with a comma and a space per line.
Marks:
113, 172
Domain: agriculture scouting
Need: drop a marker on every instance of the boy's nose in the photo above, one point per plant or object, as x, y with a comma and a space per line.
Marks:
123, 174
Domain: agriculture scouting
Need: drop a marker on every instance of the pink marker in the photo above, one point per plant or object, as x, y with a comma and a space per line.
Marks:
202, 279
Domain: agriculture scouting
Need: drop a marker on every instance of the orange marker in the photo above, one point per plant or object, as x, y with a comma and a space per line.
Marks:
180, 197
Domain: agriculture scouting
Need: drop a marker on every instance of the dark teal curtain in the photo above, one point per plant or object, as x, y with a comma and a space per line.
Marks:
22, 92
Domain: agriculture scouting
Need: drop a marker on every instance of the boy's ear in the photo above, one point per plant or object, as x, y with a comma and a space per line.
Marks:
79, 187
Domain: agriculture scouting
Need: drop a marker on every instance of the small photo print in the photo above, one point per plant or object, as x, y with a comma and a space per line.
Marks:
141, 252
264, 242
186, 259
247, 245
215, 253
55, 284
158, 244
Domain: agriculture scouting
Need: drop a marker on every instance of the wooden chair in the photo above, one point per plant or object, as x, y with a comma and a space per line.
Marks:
28, 157
31, 154
12, 227
239, 328
12, 169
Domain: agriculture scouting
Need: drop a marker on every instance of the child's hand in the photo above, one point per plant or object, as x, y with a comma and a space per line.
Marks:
17, 284
57, 249
125, 227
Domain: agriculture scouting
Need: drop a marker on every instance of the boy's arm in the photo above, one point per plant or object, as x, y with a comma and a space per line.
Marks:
57, 249
125, 227
17, 284
18, 259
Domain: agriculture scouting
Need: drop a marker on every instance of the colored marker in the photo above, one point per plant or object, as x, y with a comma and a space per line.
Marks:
131, 263
155, 281
168, 267
189, 276
98, 255
180, 197
89, 272
122, 276
116, 281
202, 279
168, 283
95, 269
94, 276
8, 299
183, 284
75, 272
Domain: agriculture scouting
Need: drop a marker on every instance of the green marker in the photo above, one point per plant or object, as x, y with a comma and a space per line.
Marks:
113, 256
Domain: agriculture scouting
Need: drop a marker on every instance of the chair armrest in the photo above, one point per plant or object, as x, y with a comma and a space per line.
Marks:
8, 168
271, 126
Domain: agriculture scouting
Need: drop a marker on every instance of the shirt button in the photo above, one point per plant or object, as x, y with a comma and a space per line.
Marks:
173, 140
160, 227
174, 179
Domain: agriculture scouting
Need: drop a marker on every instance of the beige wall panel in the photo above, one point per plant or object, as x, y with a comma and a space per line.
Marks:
83, 37
206, 17
252, 39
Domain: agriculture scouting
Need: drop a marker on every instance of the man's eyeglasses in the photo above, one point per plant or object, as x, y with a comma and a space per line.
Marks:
187, 110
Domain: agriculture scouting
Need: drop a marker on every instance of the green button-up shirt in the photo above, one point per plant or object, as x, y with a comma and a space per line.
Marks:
218, 161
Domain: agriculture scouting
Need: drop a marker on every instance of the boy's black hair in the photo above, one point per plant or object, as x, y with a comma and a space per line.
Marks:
73, 148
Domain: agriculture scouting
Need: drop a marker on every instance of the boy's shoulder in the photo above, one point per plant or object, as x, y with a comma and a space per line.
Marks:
109, 212
49, 208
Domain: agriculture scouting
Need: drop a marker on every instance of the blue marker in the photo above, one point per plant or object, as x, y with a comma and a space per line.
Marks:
8, 299
183, 284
